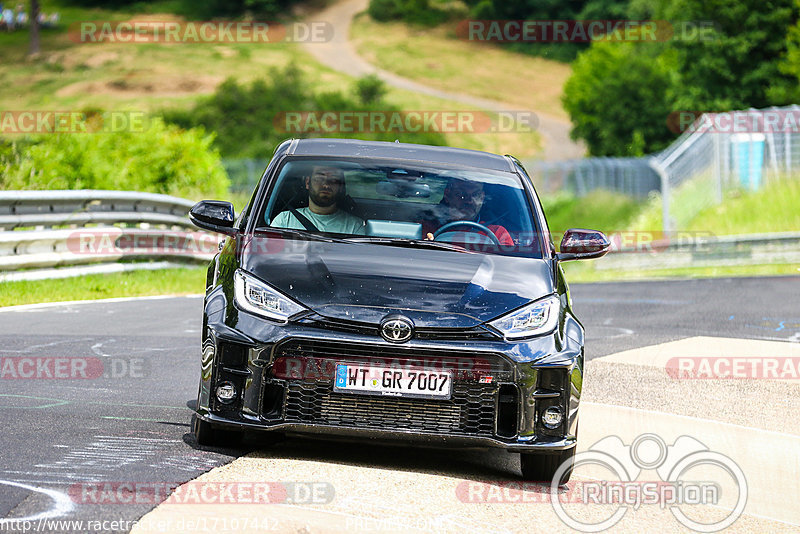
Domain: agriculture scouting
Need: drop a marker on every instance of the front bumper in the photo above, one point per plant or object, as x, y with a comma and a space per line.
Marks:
283, 375
387, 436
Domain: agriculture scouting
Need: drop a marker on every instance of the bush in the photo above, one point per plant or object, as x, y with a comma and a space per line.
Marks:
617, 99
385, 10
163, 159
370, 89
192, 9
412, 11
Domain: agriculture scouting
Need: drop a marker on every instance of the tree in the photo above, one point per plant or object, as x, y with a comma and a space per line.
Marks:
549, 10
737, 64
790, 66
617, 98
34, 27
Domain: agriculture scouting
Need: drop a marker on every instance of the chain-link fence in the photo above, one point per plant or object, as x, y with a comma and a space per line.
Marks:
717, 152
630, 176
720, 152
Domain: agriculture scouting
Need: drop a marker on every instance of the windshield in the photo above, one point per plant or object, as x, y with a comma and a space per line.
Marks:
403, 204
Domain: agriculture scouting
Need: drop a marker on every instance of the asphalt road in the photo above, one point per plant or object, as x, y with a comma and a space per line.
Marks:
128, 420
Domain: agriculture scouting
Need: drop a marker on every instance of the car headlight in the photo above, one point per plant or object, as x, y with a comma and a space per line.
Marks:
258, 298
540, 317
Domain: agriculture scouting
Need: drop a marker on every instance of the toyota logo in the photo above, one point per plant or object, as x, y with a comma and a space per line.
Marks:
397, 329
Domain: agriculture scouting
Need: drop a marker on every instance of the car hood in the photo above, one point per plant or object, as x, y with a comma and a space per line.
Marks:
366, 282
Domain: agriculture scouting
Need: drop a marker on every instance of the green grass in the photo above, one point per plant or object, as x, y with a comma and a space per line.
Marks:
150, 77
584, 271
438, 58
774, 208
102, 286
599, 210
686, 201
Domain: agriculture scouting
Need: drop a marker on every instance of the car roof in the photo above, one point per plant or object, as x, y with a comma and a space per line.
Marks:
399, 151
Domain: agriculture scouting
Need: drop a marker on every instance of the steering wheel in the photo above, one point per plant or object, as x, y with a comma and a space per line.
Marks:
473, 225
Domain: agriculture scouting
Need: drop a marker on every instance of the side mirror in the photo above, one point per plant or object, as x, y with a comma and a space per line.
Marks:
214, 215
580, 244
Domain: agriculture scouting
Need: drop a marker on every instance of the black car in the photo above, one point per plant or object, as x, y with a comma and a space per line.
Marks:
389, 291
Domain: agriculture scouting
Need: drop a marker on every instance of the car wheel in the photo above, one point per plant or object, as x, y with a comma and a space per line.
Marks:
543, 467
208, 436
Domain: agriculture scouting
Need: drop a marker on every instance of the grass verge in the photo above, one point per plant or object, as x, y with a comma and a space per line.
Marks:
599, 210
580, 272
186, 281
436, 57
773, 208
150, 77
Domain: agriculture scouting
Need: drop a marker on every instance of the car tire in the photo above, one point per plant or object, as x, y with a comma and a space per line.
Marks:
206, 435
538, 467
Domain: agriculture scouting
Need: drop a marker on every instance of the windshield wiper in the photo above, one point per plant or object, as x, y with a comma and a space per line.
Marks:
366, 239
407, 243
301, 233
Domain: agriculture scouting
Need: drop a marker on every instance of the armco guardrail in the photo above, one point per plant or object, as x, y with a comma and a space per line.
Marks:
704, 250
60, 208
46, 229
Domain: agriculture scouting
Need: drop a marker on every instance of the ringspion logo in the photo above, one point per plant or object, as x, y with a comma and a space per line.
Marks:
689, 474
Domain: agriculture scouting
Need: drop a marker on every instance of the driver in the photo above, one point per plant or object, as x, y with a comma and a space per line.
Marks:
462, 201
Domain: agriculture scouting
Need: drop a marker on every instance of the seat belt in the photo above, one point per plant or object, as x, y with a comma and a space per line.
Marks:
302, 219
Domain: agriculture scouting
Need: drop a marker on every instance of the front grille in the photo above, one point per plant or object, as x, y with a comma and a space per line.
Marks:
470, 410
307, 367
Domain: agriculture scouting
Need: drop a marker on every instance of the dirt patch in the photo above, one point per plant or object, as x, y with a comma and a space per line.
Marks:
226, 51
101, 58
132, 86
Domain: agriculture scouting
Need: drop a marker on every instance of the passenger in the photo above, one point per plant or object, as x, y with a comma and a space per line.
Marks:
326, 189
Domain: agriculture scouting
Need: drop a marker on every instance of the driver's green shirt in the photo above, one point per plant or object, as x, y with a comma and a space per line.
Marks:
340, 222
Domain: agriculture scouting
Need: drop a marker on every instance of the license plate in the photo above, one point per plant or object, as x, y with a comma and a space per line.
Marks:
393, 382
